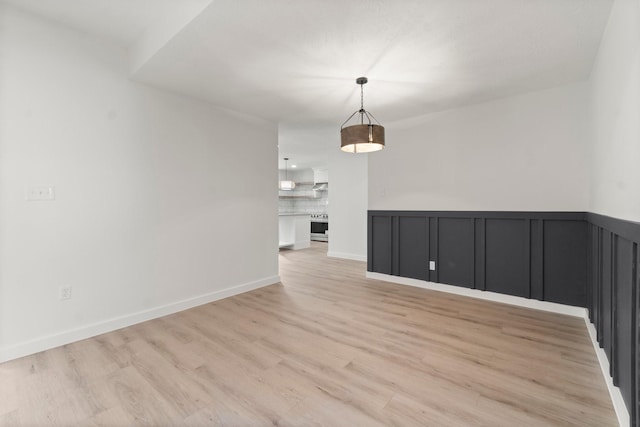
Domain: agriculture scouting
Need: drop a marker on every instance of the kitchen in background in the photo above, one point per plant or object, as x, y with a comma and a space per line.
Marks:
310, 196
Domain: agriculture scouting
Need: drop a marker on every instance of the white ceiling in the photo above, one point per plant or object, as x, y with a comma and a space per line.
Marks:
121, 21
295, 61
306, 146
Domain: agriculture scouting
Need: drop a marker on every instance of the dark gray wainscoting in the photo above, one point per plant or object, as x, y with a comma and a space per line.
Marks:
541, 255
574, 258
614, 301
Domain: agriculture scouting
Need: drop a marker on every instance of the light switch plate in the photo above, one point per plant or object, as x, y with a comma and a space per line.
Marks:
41, 194
432, 265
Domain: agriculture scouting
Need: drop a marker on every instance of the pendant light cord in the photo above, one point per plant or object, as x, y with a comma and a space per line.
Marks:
361, 81
361, 103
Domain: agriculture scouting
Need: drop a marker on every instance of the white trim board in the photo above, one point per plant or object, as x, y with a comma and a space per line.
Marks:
616, 396
485, 295
624, 419
91, 330
343, 255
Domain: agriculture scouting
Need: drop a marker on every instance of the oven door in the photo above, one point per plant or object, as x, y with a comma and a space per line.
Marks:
319, 227
319, 231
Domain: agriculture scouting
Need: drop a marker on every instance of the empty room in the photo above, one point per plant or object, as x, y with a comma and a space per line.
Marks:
319, 213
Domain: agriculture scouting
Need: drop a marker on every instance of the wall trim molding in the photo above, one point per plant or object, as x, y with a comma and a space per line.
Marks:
630, 230
484, 295
344, 255
614, 306
569, 259
614, 392
565, 215
619, 406
533, 254
39, 344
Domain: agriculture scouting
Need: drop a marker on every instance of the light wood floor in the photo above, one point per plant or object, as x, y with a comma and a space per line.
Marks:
326, 347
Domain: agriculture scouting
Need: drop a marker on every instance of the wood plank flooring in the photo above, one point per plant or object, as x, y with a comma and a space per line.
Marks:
327, 347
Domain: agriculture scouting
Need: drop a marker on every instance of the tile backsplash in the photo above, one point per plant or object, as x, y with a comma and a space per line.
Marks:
303, 204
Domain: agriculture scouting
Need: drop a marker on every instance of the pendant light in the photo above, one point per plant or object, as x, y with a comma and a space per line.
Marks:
362, 137
286, 184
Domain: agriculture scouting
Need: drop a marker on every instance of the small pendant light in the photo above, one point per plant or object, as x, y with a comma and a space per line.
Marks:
286, 184
362, 137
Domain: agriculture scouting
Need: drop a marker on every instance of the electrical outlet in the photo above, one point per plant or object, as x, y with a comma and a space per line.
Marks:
432, 265
65, 293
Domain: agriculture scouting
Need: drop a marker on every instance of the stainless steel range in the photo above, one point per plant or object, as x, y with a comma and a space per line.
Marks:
320, 227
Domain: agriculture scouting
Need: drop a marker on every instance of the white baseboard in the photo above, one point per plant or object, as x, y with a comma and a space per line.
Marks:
616, 396
485, 295
87, 331
343, 255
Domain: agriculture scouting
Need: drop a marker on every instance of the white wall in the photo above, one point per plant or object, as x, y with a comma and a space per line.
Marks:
297, 175
348, 204
526, 152
157, 194
615, 116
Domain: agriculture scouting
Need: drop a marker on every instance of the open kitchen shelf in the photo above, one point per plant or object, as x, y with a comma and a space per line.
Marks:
302, 191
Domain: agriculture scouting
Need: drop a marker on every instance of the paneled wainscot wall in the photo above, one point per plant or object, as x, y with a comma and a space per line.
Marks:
574, 258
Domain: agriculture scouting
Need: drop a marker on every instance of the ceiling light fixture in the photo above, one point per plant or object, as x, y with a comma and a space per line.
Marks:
362, 137
286, 184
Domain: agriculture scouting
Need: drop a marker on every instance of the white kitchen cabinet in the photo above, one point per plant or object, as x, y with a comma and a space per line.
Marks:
294, 231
